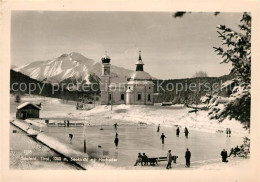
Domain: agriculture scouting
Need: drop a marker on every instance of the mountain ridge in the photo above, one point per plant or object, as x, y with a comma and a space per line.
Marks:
73, 65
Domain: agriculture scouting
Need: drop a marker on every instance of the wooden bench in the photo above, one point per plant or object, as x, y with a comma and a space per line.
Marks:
155, 160
174, 158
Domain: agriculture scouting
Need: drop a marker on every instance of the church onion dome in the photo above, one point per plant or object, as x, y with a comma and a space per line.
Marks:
105, 58
141, 75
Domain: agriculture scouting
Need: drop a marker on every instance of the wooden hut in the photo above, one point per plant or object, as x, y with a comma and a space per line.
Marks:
28, 110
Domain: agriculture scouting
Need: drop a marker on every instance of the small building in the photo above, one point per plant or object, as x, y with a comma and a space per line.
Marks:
28, 110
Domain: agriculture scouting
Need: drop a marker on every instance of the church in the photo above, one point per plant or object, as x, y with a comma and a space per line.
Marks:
138, 90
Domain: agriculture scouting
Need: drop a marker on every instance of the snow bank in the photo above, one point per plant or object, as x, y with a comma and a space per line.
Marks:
25, 127
59, 146
52, 142
36, 122
166, 116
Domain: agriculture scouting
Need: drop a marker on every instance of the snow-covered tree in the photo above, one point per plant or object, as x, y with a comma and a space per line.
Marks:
200, 74
237, 51
17, 98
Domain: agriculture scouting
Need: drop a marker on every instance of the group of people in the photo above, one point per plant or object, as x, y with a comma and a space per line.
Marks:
142, 159
233, 151
228, 132
66, 123
170, 158
186, 132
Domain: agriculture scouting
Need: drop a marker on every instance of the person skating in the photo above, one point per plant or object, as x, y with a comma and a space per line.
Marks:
139, 159
71, 137
177, 131
162, 138
169, 159
224, 155
186, 132
115, 126
187, 157
116, 141
229, 132
116, 135
158, 128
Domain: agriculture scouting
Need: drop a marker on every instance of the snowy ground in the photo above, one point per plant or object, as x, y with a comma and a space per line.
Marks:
167, 116
137, 133
19, 151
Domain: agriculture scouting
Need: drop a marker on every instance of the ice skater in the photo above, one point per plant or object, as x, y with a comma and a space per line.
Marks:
186, 131
169, 159
116, 135
158, 128
115, 126
177, 131
71, 137
116, 141
162, 138
187, 157
229, 132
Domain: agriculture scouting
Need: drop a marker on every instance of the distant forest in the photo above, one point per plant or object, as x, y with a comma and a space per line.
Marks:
186, 95
163, 95
17, 77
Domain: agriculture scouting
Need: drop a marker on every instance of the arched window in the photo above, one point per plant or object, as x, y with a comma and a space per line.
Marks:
139, 97
149, 97
122, 96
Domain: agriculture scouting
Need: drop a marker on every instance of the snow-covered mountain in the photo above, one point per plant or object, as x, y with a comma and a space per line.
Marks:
73, 66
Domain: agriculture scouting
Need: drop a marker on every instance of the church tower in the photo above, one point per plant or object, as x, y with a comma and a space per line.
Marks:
139, 64
105, 79
140, 87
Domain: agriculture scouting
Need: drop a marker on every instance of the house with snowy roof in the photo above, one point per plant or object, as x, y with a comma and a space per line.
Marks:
138, 90
28, 110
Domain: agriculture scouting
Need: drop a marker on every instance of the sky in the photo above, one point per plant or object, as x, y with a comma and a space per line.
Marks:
171, 48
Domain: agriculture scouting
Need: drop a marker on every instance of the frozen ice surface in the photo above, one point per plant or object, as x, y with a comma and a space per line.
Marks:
137, 132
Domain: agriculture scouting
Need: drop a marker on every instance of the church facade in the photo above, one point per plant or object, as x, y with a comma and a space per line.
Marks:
138, 90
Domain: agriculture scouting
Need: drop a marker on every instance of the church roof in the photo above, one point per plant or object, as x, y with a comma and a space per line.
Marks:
141, 75
140, 82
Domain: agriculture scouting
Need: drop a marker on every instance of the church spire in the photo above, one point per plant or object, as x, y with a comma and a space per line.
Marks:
140, 58
139, 63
